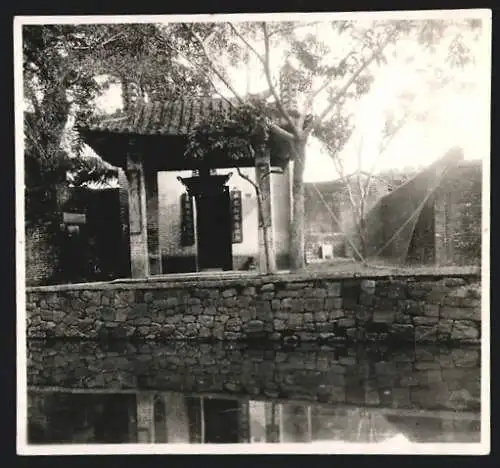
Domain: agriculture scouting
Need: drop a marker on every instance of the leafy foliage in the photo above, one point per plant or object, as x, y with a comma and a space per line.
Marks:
61, 65
238, 133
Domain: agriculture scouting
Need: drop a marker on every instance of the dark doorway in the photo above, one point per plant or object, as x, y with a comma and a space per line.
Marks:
213, 219
221, 421
421, 250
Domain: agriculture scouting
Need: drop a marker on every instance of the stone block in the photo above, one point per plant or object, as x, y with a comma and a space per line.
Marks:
471, 303
431, 310
403, 332
206, 321
279, 325
233, 325
453, 282
295, 320
231, 292
313, 304
249, 291
346, 322
368, 286
425, 320
333, 303
267, 287
397, 292
108, 314
275, 304
267, 296
138, 310
366, 299
383, 316
333, 289
335, 314
210, 310
424, 333
451, 301
120, 315
320, 316
254, 326
411, 307
464, 330
400, 397
281, 294
295, 285
456, 313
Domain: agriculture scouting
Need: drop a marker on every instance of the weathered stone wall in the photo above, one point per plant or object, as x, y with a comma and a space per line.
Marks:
420, 377
458, 208
423, 307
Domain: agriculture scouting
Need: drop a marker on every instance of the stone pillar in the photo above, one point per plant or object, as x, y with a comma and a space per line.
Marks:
177, 421
244, 422
145, 418
273, 422
263, 179
152, 212
139, 259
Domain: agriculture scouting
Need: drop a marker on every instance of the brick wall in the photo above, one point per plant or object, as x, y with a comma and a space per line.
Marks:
445, 230
104, 234
42, 255
458, 207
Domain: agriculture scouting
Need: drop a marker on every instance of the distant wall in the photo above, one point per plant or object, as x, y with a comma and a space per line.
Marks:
324, 198
423, 307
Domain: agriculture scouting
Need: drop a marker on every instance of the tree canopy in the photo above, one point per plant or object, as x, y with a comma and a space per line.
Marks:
311, 75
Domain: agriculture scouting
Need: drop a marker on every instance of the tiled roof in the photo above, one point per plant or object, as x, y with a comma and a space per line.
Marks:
176, 117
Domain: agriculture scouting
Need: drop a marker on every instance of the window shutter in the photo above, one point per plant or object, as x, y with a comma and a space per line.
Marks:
187, 220
236, 215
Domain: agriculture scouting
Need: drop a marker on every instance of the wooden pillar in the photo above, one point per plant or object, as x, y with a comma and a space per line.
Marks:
139, 259
152, 211
263, 179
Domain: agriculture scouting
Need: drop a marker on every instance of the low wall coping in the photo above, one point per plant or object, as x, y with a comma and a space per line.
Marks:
254, 279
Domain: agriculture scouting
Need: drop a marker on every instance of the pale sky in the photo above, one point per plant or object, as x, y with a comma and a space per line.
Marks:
455, 118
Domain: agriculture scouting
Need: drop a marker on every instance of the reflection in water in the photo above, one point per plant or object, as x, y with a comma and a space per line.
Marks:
199, 393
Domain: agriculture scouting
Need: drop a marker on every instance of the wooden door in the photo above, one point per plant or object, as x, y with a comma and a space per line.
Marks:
214, 230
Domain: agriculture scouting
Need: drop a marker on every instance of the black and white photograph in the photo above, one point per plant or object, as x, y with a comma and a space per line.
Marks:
253, 233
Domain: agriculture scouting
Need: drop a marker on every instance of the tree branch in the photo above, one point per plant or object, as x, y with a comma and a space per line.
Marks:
252, 48
351, 80
212, 64
385, 145
314, 94
267, 70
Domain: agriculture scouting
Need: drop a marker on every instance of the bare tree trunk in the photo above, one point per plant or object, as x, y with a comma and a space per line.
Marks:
297, 226
263, 225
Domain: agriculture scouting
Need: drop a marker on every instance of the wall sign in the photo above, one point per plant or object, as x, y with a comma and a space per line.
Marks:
135, 221
187, 220
236, 216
